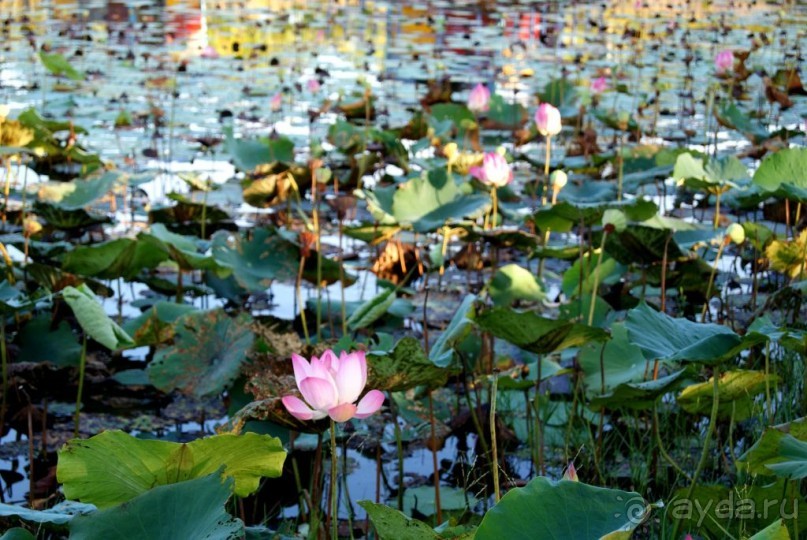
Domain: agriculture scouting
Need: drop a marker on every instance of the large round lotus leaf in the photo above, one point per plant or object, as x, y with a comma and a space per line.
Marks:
534, 333
426, 202
563, 510
207, 353
114, 467
390, 524
60, 348
94, 320
788, 166
405, 367
123, 257
512, 282
668, 339
156, 325
766, 451
192, 509
736, 389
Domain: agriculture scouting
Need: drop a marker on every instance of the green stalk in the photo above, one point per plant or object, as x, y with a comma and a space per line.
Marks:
204, 213
706, 442
81, 368
437, 501
494, 447
4, 357
546, 169
399, 448
596, 279
767, 381
712, 279
341, 278
660, 445
317, 232
334, 502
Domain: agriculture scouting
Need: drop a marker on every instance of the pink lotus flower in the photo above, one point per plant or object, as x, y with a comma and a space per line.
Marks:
312, 85
330, 386
479, 99
276, 102
724, 61
494, 170
547, 118
599, 85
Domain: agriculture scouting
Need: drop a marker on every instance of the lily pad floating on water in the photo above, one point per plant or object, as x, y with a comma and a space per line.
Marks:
209, 348
81, 192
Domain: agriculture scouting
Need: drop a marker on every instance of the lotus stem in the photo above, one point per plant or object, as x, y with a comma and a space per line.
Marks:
706, 442
621, 171
596, 286
341, 277
767, 381
81, 367
495, 210
717, 210
444, 250
547, 233
712, 277
546, 169
4, 358
399, 448
334, 502
660, 444
493, 445
317, 233
437, 502
179, 286
204, 214
298, 286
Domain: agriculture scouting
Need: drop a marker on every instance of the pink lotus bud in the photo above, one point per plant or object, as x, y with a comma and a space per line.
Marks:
571, 473
599, 85
276, 102
724, 61
495, 170
209, 52
479, 99
547, 118
330, 386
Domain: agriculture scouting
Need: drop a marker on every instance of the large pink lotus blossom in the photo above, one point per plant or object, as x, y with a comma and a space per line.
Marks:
599, 85
330, 387
479, 99
724, 61
494, 171
547, 118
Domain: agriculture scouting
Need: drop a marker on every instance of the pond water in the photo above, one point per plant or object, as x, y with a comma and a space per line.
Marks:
166, 81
